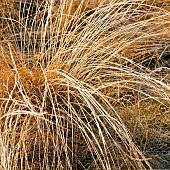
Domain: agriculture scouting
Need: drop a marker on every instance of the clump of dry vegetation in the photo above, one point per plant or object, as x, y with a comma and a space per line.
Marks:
84, 84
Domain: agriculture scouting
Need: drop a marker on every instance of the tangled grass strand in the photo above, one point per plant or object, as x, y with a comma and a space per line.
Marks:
66, 68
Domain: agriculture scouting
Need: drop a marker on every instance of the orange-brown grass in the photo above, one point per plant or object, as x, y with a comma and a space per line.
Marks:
150, 125
47, 112
82, 83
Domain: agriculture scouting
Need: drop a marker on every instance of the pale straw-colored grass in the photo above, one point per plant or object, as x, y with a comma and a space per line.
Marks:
64, 67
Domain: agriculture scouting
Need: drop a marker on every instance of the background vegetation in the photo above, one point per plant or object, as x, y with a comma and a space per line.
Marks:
84, 84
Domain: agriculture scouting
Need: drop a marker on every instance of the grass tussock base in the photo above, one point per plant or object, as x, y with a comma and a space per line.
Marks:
84, 85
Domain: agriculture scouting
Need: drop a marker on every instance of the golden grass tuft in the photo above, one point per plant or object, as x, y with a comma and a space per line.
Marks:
83, 84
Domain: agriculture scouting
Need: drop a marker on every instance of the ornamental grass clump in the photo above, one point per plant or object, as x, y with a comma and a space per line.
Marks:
70, 71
